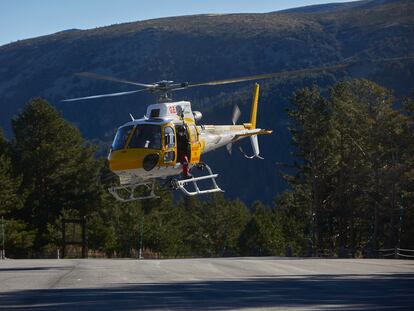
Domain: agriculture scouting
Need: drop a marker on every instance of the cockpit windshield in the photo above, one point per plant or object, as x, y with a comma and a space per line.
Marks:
146, 136
121, 137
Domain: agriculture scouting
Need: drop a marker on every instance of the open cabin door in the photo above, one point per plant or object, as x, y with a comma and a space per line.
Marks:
170, 146
195, 145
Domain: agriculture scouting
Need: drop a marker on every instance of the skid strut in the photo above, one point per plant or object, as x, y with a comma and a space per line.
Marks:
130, 191
181, 184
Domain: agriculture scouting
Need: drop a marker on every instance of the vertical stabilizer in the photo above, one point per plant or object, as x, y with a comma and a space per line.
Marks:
253, 114
255, 101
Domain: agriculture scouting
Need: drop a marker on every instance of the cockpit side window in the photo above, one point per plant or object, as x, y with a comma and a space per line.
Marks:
121, 137
169, 138
146, 136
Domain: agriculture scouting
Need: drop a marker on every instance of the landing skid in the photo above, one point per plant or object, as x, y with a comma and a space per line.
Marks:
127, 193
183, 183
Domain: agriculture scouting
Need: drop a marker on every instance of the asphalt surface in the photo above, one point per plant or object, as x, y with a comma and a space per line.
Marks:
216, 284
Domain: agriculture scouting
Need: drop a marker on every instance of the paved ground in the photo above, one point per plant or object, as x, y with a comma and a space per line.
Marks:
218, 284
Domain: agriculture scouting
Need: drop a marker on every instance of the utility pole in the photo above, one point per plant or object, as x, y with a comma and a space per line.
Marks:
3, 251
400, 221
142, 233
316, 233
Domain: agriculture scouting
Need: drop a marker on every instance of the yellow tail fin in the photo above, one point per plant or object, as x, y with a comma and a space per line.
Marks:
253, 114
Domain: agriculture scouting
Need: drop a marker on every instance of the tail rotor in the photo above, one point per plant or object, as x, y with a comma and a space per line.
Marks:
234, 118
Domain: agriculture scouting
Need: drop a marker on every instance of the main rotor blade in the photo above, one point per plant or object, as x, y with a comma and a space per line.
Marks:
273, 75
107, 78
102, 95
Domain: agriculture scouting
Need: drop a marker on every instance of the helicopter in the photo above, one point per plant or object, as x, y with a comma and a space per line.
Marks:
168, 142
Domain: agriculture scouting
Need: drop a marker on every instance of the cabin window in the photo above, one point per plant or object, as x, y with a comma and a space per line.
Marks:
155, 113
121, 137
193, 133
146, 136
169, 138
169, 156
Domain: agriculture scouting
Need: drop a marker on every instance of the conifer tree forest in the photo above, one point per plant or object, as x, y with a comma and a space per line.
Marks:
350, 188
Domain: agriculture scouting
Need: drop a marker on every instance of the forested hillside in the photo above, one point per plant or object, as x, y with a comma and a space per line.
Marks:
207, 47
351, 191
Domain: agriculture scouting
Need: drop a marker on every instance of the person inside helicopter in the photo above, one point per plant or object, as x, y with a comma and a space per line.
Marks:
183, 144
146, 136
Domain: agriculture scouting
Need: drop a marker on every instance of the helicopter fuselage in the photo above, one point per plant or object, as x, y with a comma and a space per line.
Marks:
158, 145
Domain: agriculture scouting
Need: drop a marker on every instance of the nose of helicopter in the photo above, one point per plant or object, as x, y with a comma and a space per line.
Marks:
121, 160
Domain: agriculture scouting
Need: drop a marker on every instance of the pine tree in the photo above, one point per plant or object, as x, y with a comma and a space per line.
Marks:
164, 232
19, 240
221, 221
9, 184
313, 138
262, 235
293, 218
58, 167
353, 150
372, 162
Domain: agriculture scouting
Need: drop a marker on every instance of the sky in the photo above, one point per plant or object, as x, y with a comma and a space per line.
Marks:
22, 19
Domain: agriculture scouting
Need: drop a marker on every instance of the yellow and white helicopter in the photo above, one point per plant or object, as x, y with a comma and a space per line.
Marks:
167, 143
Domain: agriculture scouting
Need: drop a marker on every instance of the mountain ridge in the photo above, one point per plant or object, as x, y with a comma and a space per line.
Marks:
335, 6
